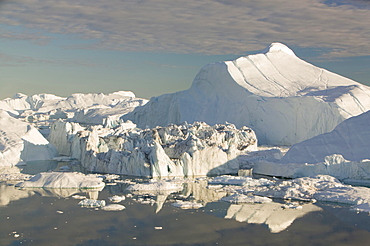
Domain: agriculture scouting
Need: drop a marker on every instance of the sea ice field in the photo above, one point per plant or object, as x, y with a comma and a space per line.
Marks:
263, 150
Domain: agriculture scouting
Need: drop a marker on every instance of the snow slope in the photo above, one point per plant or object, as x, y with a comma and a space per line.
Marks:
343, 153
350, 139
284, 99
21, 142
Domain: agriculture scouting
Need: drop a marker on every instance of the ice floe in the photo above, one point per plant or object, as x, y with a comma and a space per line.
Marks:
113, 207
116, 198
187, 205
92, 203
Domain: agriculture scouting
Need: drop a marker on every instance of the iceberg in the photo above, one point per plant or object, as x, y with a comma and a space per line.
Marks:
284, 99
183, 150
342, 153
21, 142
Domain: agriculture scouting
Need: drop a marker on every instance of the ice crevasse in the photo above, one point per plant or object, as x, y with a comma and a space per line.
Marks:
284, 99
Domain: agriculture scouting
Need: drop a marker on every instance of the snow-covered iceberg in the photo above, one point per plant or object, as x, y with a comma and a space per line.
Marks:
284, 99
343, 153
21, 142
183, 150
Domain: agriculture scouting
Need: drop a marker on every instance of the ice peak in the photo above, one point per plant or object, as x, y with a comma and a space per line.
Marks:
278, 47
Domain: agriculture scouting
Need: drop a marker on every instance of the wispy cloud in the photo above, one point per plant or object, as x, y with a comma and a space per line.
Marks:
195, 26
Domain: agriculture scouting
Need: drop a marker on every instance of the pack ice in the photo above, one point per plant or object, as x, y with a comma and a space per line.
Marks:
343, 153
21, 142
284, 99
183, 150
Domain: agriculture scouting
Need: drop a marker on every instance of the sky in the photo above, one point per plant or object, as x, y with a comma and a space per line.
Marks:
152, 47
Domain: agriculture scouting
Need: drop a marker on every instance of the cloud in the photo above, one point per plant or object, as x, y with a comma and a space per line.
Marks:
195, 26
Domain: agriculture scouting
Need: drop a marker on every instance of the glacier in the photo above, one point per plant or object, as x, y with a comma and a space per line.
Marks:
284, 99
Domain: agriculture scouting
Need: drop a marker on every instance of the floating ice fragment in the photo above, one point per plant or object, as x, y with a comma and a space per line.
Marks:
78, 197
116, 198
113, 207
187, 205
91, 203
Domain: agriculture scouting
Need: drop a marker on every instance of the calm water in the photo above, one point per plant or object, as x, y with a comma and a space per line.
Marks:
52, 217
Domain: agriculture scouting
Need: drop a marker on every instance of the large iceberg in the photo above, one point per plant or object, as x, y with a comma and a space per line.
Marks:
183, 150
21, 142
284, 99
343, 153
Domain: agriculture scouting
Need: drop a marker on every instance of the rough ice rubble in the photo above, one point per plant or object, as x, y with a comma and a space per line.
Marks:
343, 153
274, 93
183, 150
20, 142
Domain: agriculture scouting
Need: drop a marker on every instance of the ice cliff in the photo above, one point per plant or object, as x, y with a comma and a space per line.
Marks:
175, 150
343, 153
21, 142
284, 99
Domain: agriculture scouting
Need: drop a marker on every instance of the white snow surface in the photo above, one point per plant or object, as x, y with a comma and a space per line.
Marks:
21, 142
183, 150
63, 180
284, 99
343, 153
349, 139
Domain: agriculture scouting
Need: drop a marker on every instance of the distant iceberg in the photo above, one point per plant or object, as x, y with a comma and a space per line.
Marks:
284, 99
